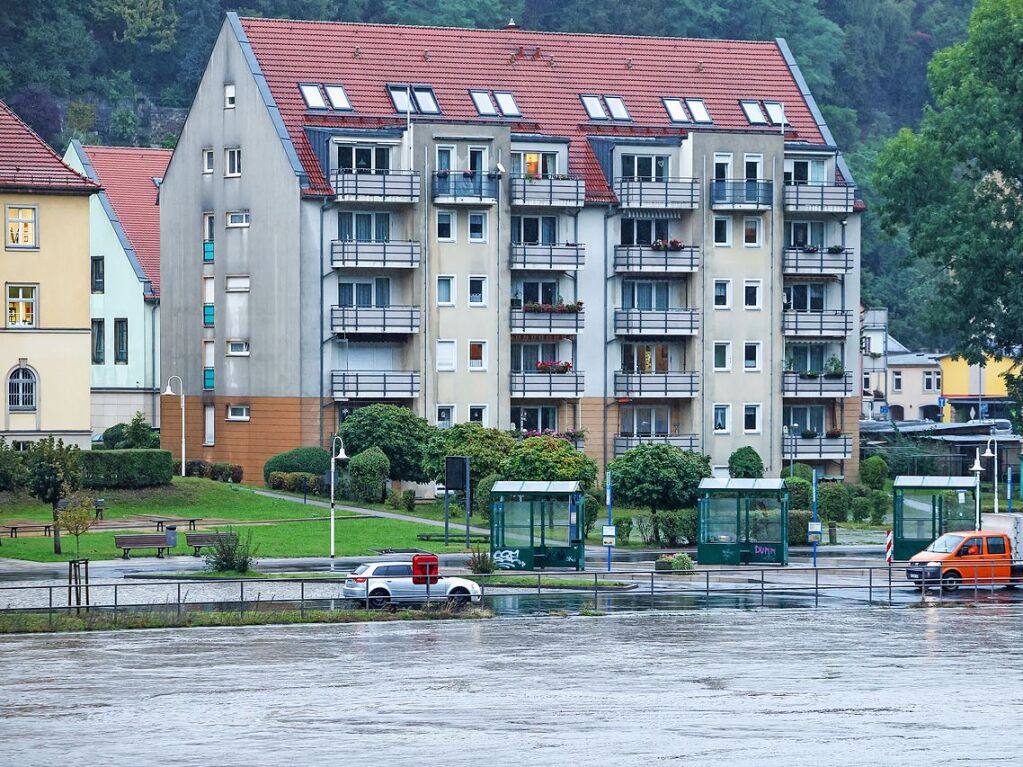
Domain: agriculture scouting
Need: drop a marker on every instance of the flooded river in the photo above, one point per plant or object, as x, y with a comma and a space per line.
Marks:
918, 686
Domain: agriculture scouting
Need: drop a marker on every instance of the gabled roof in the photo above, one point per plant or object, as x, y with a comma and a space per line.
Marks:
546, 72
130, 199
28, 164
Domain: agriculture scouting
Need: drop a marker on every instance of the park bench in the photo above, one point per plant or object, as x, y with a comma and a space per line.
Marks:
13, 530
473, 537
129, 542
201, 540
162, 522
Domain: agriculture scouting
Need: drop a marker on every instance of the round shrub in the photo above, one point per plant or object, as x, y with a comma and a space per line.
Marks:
315, 460
623, 529
745, 463
481, 502
682, 563
861, 508
548, 459
198, 468
237, 472
800, 492
397, 431
221, 472
801, 470
833, 501
276, 480
874, 472
679, 527
880, 504
368, 472
799, 521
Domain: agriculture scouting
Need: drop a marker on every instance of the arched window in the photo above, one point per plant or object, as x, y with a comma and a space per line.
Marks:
21, 390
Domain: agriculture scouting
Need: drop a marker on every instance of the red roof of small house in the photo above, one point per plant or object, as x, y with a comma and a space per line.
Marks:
28, 164
546, 72
129, 177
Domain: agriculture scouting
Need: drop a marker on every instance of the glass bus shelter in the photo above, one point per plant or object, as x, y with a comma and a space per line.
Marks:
925, 508
534, 525
743, 521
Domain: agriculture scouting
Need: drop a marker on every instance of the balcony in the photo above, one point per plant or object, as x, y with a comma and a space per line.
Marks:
673, 193
374, 319
557, 323
681, 441
815, 261
834, 323
739, 194
394, 254
644, 259
558, 258
818, 385
207, 251
677, 384
547, 385
548, 192
819, 198
466, 188
383, 186
657, 322
374, 384
817, 448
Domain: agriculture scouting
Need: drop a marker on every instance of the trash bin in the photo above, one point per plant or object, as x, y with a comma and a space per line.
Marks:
832, 533
172, 535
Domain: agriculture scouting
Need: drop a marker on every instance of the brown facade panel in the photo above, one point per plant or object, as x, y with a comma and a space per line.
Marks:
851, 408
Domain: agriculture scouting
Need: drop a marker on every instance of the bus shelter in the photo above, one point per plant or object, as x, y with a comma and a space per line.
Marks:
534, 525
925, 508
743, 521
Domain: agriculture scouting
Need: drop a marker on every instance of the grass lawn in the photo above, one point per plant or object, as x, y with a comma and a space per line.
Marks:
547, 580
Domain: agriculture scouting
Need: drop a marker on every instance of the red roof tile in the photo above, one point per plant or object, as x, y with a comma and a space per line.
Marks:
545, 71
127, 174
27, 162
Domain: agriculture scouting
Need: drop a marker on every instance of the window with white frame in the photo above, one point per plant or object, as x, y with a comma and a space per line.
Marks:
232, 162
776, 112
312, 96
594, 108
22, 390
478, 414
753, 112
639, 167
616, 106
445, 226
209, 229
477, 227
751, 294
238, 283
751, 356
237, 347
445, 290
534, 230
722, 418
722, 355
477, 355
238, 412
22, 227
506, 101
805, 297
526, 356
364, 158
805, 171
99, 351
804, 234
751, 226
477, 291
676, 112
207, 160
699, 111
723, 231
932, 380
121, 341
209, 425
534, 164
445, 416
644, 420
21, 306
484, 103
534, 417
363, 226
371, 291
539, 291
338, 98
97, 274
722, 294
237, 219
229, 98
897, 380
751, 418
445, 355
643, 231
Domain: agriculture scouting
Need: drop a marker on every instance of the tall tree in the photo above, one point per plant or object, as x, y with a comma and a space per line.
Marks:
54, 472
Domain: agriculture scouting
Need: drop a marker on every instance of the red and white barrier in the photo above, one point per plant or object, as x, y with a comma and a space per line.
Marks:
888, 540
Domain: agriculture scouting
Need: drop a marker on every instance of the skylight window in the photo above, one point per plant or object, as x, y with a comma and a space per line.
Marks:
616, 106
676, 112
338, 98
312, 96
698, 110
753, 112
425, 100
484, 104
507, 103
400, 97
594, 108
776, 112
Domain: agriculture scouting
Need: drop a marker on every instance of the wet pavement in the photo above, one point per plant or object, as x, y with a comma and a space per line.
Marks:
721, 687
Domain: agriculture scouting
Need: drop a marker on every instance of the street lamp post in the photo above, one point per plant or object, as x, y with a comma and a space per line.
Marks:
334, 458
790, 433
169, 392
977, 469
989, 454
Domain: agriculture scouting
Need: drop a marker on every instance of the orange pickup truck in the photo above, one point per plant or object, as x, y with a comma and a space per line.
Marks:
981, 557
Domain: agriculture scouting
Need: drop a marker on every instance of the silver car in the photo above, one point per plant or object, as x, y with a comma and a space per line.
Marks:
390, 583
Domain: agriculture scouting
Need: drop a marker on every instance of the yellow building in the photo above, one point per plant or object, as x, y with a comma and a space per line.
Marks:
45, 273
973, 392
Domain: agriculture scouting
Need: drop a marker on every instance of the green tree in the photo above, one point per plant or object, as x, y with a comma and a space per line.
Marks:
874, 472
548, 459
76, 520
485, 448
12, 468
368, 472
54, 472
399, 432
658, 477
745, 463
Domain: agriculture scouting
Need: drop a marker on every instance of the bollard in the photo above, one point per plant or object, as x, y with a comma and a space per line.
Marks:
832, 533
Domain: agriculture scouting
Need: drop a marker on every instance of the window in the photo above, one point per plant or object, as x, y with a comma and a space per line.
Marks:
722, 419
312, 96
722, 294
338, 98
866, 382
645, 167
643, 231
99, 351
644, 421
995, 545
805, 171
363, 227
237, 219
121, 341
229, 96
477, 291
364, 158
751, 419
365, 293
676, 112
644, 295
445, 290
232, 162
423, 100
804, 234
445, 226
477, 227
21, 389
207, 160
445, 355
209, 229
932, 380
484, 104
237, 348
805, 358
776, 112
426, 102
526, 356
723, 355
97, 274
21, 306
209, 416
751, 294
478, 414
207, 305
594, 109
751, 231
802, 417
506, 102
237, 284
753, 112
645, 358
477, 355
535, 418
534, 230
535, 164
238, 412
21, 227
445, 416
698, 110
616, 106
751, 356
723, 231
805, 297
539, 291
208, 361
897, 380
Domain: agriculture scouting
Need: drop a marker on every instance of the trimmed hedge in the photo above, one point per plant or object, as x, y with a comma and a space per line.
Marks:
299, 482
314, 460
800, 493
126, 468
874, 472
833, 502
368, 472
679, 527
799, 521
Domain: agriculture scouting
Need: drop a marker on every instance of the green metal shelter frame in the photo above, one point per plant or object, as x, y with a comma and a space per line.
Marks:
534, 525
743, 521
925, 508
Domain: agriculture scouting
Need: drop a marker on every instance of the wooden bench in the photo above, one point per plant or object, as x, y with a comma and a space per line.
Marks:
13, 530
162, 523
129, 542
454, 535
201, 540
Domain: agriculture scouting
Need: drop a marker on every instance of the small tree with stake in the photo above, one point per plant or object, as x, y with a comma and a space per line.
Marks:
54, 471
76, 520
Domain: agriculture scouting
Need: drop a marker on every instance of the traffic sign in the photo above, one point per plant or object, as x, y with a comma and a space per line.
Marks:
941, 402
608, 533
814, 532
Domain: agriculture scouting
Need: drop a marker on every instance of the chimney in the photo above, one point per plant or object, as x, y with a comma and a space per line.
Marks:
511, 24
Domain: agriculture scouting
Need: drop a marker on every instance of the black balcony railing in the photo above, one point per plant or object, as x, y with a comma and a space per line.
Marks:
548, 191
677, 384
834, 322
392, 254
817, 448
375, 384
681, 441
546, 322
747, 193
820, 197
817, 384
377, 185
643, 258
374, 319
559, 385
567, 257
469, 186
801, 260
656, 322
645, 192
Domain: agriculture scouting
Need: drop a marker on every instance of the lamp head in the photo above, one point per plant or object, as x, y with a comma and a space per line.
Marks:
976, 468
168, 392
988, 453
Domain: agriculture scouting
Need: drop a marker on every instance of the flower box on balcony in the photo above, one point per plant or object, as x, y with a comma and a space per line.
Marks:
553, 366
810, 374
835, 249
833, 433
659, 245
558, 308
675, 245
809, 434
810, 249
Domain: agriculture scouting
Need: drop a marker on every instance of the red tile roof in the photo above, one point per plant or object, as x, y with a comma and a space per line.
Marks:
127, 174
27, 162
545, 71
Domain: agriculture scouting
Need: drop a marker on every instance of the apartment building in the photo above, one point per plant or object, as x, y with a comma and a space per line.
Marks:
646, 239
974, 392
44, 269
124, 279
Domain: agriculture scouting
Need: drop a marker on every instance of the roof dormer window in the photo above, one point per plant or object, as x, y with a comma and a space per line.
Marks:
676, 112
495, 104
616, 106
484, 104
699, 111
594, 108
401, 97
753, 112
312, 96
338, 98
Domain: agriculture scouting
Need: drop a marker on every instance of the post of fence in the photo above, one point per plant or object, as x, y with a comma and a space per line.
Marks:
594, 590
870, 585
539, 596
761, 588
301, 599
707, 575
179, 601
241, 597
49, 612
816, 587
890, 586
115, 604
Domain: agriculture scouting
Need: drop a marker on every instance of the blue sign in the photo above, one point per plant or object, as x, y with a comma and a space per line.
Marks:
941, 402
884, 410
